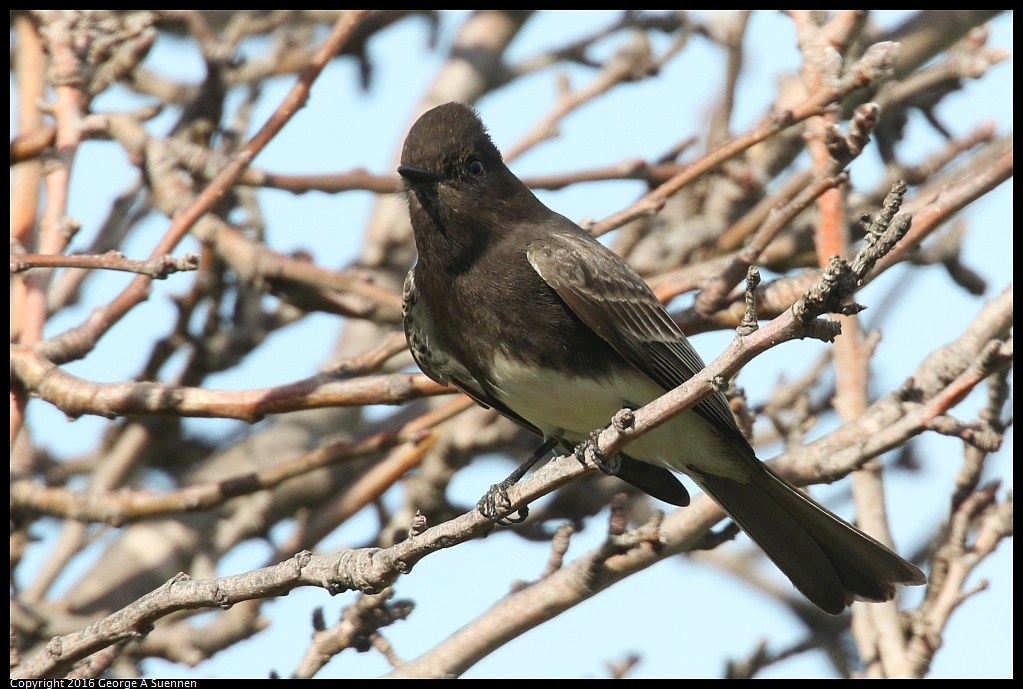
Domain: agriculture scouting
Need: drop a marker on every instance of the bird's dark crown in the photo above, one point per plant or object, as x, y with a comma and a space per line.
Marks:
445, 141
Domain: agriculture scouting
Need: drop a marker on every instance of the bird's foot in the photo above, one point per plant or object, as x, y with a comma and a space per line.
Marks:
497, 507
589, 449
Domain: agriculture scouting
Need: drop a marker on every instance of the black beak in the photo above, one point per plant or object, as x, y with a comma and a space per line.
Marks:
418, 175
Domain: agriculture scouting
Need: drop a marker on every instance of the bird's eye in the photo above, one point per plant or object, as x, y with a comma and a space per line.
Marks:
476, 168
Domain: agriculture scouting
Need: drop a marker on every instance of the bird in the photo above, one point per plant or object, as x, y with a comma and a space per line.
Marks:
525, 312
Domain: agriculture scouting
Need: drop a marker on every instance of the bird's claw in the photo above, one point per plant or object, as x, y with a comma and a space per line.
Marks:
590, 449
497, 507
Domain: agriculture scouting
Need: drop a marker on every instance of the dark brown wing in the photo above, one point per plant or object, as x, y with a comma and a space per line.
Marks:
614, 301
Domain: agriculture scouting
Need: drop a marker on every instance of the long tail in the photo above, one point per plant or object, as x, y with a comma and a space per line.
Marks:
830, 561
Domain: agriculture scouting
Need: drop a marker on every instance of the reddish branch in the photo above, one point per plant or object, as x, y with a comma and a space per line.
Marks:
157, 268
77, 396
950, 200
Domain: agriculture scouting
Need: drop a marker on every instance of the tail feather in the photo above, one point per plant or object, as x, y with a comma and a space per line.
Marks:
655, 481
828, 560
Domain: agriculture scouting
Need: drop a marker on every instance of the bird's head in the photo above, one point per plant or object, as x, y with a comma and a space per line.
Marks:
449, 158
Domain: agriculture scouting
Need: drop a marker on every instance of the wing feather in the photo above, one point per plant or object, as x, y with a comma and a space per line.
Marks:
614, 301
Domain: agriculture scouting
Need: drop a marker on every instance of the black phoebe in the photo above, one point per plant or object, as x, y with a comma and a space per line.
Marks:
525, 312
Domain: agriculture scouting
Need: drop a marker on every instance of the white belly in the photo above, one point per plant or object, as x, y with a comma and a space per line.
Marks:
572, 408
